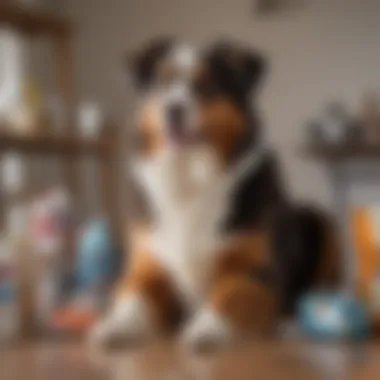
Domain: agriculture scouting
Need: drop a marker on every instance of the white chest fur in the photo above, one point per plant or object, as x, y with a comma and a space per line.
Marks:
188, 194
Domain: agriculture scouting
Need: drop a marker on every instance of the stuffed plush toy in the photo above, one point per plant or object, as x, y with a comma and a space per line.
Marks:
94, 270
96, 257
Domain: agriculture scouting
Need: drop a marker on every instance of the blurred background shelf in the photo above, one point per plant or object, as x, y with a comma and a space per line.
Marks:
50, 145
33, 21
82, 166
343, 152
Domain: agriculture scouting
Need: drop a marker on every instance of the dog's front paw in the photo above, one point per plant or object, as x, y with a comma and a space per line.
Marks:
207, 331
100, 334
128, 322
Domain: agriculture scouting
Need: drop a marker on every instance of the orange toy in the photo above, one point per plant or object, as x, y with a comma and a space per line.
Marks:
70, 319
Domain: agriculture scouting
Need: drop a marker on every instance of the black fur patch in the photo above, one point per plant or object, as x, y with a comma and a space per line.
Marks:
143, 63
236, 72
255, 197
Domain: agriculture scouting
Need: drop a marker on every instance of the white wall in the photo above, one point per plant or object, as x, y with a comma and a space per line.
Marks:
320, 50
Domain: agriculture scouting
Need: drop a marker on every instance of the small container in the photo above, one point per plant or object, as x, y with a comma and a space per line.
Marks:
90, 120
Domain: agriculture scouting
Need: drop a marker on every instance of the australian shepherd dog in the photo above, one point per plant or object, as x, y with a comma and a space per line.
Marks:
225, 252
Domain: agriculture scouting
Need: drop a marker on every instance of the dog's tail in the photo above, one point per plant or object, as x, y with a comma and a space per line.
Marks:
307, 252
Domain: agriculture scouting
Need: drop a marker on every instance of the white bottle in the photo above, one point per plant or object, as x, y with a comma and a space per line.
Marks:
90, 120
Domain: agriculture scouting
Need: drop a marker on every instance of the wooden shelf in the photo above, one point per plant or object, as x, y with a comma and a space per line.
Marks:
33, 21
48, 145
343, 152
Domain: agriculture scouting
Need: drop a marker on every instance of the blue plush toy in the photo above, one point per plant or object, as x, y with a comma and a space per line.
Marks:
333, 316
95, 267
97, 257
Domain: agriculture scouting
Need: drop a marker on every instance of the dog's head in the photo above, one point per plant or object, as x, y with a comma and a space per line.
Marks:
190, 97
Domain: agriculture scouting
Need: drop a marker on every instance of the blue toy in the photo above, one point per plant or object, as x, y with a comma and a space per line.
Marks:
333, 316
98, 257
95, 267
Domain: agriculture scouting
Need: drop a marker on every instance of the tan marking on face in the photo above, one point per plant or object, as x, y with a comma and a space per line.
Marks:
222, 124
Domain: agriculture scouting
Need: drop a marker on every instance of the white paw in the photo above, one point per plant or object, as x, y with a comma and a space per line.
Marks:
128, 321
207, 331
100, 334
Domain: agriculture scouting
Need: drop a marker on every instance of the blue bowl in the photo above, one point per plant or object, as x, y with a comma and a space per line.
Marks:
327, 315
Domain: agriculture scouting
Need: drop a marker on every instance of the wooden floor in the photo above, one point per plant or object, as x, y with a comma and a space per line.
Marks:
164, 361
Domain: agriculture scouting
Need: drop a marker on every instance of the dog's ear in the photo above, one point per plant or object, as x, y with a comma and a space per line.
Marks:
141, 64
241, 68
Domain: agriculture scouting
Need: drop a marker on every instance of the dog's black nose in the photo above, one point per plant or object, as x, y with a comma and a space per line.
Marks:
176, 116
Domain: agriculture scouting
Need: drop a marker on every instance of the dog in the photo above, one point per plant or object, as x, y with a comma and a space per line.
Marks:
225, 252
